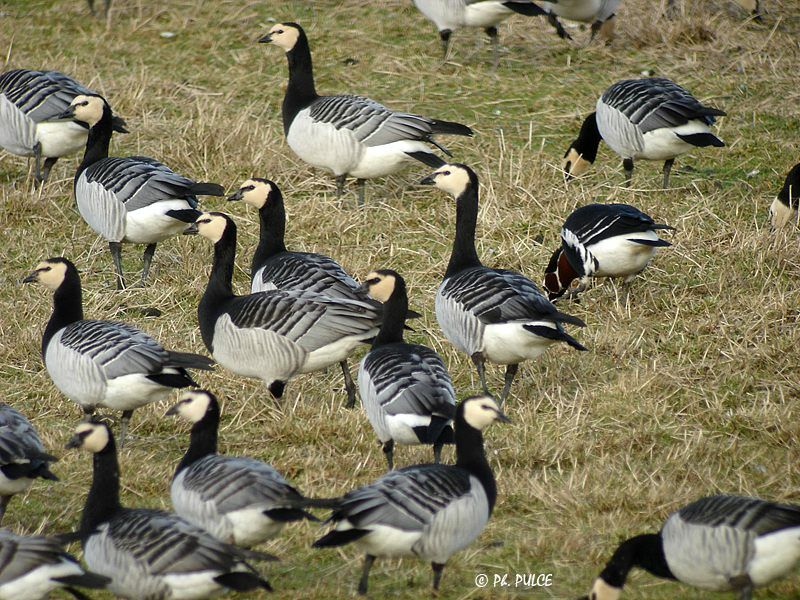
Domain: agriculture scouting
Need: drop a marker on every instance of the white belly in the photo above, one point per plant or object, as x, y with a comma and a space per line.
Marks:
130, 392
386, 541
60, 138
322, 145
664, 144
617, 257
776, 555
251, 526
38, 583
9, 487
191, 586
334, 353
575, 10
150, 224
486, 14
401, 430
510, 344
379, 161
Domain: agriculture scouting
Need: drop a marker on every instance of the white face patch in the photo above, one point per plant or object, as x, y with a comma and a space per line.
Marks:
193, 406
88, 109
781, 215
574, 164
382, 290
284, 36
211, 226
603, 591
96, 439
257, 196
451, 179
480, 412
51, 274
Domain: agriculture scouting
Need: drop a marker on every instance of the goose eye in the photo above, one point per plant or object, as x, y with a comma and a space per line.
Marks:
445, 172
249, 188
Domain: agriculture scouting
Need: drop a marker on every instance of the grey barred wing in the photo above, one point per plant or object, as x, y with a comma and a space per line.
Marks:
748, 514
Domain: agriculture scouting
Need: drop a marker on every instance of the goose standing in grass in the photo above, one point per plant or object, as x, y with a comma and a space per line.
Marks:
719, 543
32, 567
405, 388
31, 103
275, 268
450, 15
600, 13
492, 315
784, 209
278, 334
238, 500
349, 135
134, 199
651, 119
105, 363
602, 240
429, 511
151, 553
22, 458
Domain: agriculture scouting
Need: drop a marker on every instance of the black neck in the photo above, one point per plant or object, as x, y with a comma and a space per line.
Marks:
220, 284
588, 139
67, 306
300, 92
471, 456
102, 503
98, 142
203, 440
790, 193
645, 551
394, 317
272, 218
464, 254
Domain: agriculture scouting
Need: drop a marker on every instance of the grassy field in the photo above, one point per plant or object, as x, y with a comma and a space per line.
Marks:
690, 387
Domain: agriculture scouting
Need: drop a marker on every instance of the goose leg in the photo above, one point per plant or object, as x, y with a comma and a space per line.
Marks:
493, 38
511, 372
437, 453
667, 168
627, 164
123, 428
48, 165
116, 255
147, 259
361, 185
746, 593
4, 500
349, 386
562, 33
444, 36
437, 575
477, 358
37, 155
340, 180
362, 583
388, 452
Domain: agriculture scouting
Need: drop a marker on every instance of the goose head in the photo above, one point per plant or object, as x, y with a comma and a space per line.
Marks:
381, 284
211, 225
93, 436
283, 35
257, 192
51, 272
86, 110
453, 178
582, 153
481, 411
784, 209
193, 405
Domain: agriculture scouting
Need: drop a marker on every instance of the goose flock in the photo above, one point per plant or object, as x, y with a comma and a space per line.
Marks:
304, 312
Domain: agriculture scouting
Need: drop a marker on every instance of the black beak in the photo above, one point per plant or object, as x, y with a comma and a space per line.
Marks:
501, 416
75, 441
191, 229
31, 277
429, 180
173, 410
237, 196
265, 39
363, 288
69, 113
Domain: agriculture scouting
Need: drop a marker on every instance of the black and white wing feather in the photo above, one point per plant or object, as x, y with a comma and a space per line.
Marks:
304, 271
747, 514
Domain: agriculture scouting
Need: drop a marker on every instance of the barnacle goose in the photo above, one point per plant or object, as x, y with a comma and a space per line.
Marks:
405, 388
490, 314
600, 13
277, 334
31, 103
22, 457
430, 511
652, 119
274, 267
349, 135
450, 15
238, 500
720, 543
134, 199
602, 240
104, 363
150, 553
784, 208
32, 567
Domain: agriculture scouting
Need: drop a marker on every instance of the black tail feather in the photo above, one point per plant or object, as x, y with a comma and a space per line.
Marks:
654, 243
241, 581
428, 158
332, 503
184, 215
287, 515
701, 140
339, 538
87, 580
188, 360
555, 334
207, 189
565, 318
529, 9
450, 127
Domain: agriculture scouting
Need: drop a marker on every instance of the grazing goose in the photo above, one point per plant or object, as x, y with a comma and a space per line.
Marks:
31, 103
278, 334
720, 543
784, 208
22, 457
430, 511
349, 135
600, 13
149, 553
450, 15
238, 500
104, 363
134, 199
652, 119
602, 240
32, 567
490, 314
275, 268
405, 388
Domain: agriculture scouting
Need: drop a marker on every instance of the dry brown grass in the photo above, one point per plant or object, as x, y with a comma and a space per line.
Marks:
690, 388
